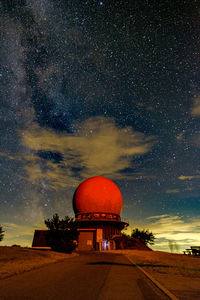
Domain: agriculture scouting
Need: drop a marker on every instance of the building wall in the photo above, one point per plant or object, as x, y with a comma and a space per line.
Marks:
110, 230
40, 238
98, 232
90, 234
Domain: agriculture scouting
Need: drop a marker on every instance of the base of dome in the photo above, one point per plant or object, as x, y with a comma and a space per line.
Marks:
97, 216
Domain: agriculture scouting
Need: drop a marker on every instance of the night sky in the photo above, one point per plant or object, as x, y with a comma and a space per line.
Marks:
100, 88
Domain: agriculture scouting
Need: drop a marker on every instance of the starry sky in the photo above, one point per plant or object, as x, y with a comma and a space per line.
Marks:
101, 88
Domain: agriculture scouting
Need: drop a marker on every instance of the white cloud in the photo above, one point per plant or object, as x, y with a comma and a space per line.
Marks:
98, 148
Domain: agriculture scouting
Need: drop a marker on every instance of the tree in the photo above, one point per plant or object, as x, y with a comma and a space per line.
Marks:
63, 234
1, 233
144, 236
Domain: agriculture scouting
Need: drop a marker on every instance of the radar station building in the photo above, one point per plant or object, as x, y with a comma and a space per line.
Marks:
97, 204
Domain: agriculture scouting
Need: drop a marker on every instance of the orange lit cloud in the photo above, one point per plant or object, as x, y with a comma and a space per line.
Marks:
19, 234
98, 147
173, 228
172, 191
179, 137
182, 177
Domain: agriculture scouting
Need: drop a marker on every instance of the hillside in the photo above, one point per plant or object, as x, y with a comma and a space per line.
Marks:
16, 260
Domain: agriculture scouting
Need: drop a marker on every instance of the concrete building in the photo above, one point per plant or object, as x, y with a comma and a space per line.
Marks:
97, 204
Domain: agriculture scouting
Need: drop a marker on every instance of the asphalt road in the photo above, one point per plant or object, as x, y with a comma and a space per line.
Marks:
90, 276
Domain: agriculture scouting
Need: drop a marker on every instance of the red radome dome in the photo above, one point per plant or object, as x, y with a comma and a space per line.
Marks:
97, 195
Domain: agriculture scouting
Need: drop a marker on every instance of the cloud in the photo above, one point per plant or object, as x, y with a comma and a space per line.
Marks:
2, 154
182, 177
190, 189
172, 191
195, 111
173, 228
176, 191
97, 147
157, 217
179, 137
18, 234
28, 218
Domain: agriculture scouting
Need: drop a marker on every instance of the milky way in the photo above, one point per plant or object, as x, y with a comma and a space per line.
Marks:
108, 88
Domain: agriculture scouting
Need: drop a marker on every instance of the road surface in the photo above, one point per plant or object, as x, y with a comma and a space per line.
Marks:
90, 276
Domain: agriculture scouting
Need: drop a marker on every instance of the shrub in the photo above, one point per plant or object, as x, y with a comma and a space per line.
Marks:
63, 234
144, 236
1, 233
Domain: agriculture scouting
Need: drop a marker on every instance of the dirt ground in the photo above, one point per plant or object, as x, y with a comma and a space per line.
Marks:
16, 260
179, 273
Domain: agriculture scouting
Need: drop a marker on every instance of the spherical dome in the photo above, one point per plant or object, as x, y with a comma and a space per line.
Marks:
97, 195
